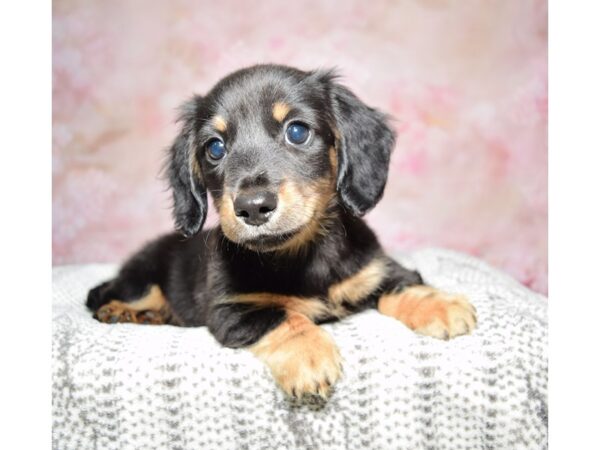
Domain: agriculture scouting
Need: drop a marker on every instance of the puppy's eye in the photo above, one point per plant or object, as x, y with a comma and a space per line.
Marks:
215, 149
297, 133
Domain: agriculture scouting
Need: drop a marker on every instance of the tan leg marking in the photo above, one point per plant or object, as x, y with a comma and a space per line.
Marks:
357, 287
280, 110
313, 308
302, 357
152, 309
431, 312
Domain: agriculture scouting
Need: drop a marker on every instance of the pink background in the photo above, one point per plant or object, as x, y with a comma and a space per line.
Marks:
466, 81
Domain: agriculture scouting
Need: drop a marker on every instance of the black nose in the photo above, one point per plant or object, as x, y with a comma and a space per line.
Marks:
255, 208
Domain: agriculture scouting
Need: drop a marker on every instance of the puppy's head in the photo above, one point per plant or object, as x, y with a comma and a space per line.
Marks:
278, 149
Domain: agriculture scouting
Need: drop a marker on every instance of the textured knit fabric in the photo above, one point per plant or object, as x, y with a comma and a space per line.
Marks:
129, 386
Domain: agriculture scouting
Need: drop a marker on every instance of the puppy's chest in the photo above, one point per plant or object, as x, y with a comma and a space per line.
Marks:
285, 279
318, 291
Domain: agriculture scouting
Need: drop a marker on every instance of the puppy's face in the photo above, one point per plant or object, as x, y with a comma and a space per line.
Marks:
267, 155
278, 149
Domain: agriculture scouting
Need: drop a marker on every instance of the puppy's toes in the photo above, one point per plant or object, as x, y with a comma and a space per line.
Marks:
303, 358
115, 312
150, 317
309, 374
431, 312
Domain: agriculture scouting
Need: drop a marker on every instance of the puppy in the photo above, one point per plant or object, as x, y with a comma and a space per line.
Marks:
292, 160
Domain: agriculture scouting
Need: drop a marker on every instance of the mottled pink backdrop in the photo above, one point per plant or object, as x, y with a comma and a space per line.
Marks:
466, 81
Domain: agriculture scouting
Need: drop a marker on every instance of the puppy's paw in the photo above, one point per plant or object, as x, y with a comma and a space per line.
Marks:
430, 312
115, 312
119, 312
302, 357
310, 369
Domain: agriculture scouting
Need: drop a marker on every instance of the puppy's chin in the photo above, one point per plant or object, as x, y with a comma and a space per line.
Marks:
265, 241
270, 242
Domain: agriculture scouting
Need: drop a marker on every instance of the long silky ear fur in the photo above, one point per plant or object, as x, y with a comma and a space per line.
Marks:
190, 202
364, 142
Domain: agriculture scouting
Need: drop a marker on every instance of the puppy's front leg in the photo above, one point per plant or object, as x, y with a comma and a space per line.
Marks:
302, 357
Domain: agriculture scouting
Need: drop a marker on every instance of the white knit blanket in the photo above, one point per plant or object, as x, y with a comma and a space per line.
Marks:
128, 386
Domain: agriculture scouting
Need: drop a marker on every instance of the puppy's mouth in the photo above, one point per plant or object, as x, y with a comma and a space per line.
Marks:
270, 241
294, 222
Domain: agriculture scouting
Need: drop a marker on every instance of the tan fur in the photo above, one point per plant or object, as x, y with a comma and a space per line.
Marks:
229, 222
333, 160
359, 285
152, 308
431, 312
310, 200
220, 124
302, 357
336, 133
313, 308
280, 111
298, 205
153, 300
196, 170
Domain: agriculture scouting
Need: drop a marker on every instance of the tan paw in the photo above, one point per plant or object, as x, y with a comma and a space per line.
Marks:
152, 308
303, 358
119, 312
430, 312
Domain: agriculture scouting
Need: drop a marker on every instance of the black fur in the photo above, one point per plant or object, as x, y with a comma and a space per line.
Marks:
366, 143
190, 203
199, 273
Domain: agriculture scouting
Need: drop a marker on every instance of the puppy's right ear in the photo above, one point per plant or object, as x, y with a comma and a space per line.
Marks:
190, 203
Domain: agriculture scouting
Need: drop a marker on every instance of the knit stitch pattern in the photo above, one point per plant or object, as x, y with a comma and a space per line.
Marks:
128, 386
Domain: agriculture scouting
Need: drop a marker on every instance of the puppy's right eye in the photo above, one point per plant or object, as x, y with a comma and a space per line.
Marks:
215, 149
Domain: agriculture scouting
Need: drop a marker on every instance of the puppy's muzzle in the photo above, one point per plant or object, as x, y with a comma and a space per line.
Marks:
255, 207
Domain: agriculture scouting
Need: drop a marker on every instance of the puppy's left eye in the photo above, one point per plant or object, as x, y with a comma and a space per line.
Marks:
297, 133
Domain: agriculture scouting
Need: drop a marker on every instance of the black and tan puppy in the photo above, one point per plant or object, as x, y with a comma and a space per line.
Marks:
292, 160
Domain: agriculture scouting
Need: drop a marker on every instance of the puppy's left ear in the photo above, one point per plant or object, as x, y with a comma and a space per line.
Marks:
364, 142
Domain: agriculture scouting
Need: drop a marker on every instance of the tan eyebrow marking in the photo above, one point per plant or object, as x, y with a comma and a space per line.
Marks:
280, 110
219, 123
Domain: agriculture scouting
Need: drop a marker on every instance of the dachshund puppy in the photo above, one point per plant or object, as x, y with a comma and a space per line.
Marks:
292, 160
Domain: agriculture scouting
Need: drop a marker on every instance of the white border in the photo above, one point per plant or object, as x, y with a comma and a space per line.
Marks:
574, 194
25, 89
25, 118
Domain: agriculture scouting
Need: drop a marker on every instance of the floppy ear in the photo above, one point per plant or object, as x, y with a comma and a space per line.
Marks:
364, 142
185, 177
